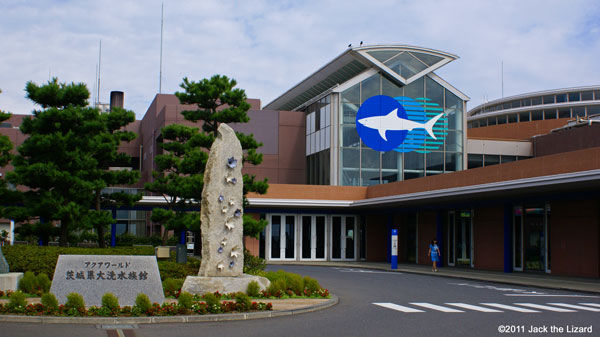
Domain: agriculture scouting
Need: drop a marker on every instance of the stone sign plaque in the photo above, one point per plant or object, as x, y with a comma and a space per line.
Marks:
92, 276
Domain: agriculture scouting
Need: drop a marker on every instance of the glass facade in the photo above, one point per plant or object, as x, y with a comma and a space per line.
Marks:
362, 166
318, 141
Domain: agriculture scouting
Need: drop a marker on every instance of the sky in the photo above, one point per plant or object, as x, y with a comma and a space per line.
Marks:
269, 46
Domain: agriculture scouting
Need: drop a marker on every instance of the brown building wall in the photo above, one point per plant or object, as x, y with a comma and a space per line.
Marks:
427, 223
566, 140
575, 238
520, 131
488, 238
376, 237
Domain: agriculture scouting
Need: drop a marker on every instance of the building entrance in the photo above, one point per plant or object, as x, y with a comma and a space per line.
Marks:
283, 238
343, 237
312, 237
530, 238
460, 239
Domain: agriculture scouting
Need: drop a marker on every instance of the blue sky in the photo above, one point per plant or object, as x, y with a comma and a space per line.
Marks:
269, 46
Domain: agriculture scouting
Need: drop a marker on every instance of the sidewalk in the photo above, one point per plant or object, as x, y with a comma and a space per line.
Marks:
524, 279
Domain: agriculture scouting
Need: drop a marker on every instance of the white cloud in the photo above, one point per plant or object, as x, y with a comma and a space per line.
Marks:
269, 46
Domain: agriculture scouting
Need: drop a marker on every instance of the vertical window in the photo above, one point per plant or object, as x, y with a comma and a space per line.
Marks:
574, 97
524, 116
587, 95
475, 160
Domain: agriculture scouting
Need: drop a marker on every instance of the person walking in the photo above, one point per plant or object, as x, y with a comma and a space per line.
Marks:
434, 252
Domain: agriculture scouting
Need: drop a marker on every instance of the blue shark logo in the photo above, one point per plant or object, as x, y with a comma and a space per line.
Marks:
401, 124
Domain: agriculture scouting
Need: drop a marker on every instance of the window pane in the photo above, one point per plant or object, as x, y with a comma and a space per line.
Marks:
475, 160
350, 177
561, 98
526, 102
536, 100
350, 137
549, 99
454, 141
350, 158
491, 121
524, 116
574, 97
476, 123
564, 113
352, 94
512, 118
491, 159
453, 161
415, 89
369, 158
515, 104
593, 110
349, 113
507, 159
587, 95
434, 92
389, 160
413, 165
435, 162
578, 111
550, 114
502, 119
537, 115
389, 88
389, 176
406, 65
370, 87
370, 177
454, 111
483, 122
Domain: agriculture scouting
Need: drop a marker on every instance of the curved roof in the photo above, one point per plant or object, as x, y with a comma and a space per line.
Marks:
401, 62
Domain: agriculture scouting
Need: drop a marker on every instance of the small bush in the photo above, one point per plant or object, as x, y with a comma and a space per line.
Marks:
253, 289
75, 301
110, 302
243, 301
277, 287
142, 302
185, 301
212, 302
50, 302
43, 283
172, 286
252, 264
28, 283
311, 284
294, 283
17, 300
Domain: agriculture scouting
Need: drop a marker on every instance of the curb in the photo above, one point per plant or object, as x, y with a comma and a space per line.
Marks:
168, 319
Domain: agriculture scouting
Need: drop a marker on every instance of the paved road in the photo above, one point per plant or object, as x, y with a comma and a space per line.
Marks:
379, 303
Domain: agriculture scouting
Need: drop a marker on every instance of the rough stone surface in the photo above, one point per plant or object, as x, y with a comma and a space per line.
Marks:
222, 208
92, 276
205, 284
3, 264
10, 281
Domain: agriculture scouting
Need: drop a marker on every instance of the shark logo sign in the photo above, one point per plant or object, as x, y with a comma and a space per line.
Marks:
401, 124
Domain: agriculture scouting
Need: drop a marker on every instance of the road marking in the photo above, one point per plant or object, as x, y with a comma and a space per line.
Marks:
592, 304
351, 270
573, 306
435, 307
509, 307
548, 295
473, 307
544, 307
398, 307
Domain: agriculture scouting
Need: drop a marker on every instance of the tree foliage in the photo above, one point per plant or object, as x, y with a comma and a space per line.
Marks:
63, 164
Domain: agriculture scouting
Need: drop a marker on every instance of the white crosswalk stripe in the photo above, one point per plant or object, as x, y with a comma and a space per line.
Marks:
509, 307
473, 307
544, 307
592, 304
398, 307
573, 306
435, 307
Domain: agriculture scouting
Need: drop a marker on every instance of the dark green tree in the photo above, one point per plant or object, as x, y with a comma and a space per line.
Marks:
180, 174
63, 164
6, 194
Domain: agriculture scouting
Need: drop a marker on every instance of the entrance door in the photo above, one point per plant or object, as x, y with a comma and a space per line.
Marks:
460, 239
343, 237
313, 237
534, 242
282, 236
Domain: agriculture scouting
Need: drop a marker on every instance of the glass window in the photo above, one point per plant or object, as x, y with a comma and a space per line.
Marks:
574, 97
307, 145
578, 111
369, 158
308, 124
349, 111
524, 116
453, 161
597, 94
370, 87
389, 176
454, 141
476, 123
593, 110
491, 121
475, 160
561, 98
515, 104
522, 157
550, 114
526, 102
549, 99
413, 165
502, 119
512, 118
483, 122
587, 95
405, 65
350, 137
370, 177
427, 59
383, 55
391, 160
350, 158
506, 106
434, 92
352, 94
435, 162
350, 177
507, 159
454, 111
537, 115
390, 88
469, 125
564, 113
491, 159
536, 100
415, 89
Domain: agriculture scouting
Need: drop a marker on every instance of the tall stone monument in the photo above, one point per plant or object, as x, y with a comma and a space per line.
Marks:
222, 263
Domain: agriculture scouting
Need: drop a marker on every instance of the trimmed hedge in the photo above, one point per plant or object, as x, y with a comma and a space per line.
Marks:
42, 259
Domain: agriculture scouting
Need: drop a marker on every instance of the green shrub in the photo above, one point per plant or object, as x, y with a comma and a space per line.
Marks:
50, 302
252, 264
28, 284
43, 283
295, 283
311, 284
172, 269
277, 287
253, 289
172, 286
211, 300
185, 301
75, 301
243, 301
110, 302
143, 302
17, 300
